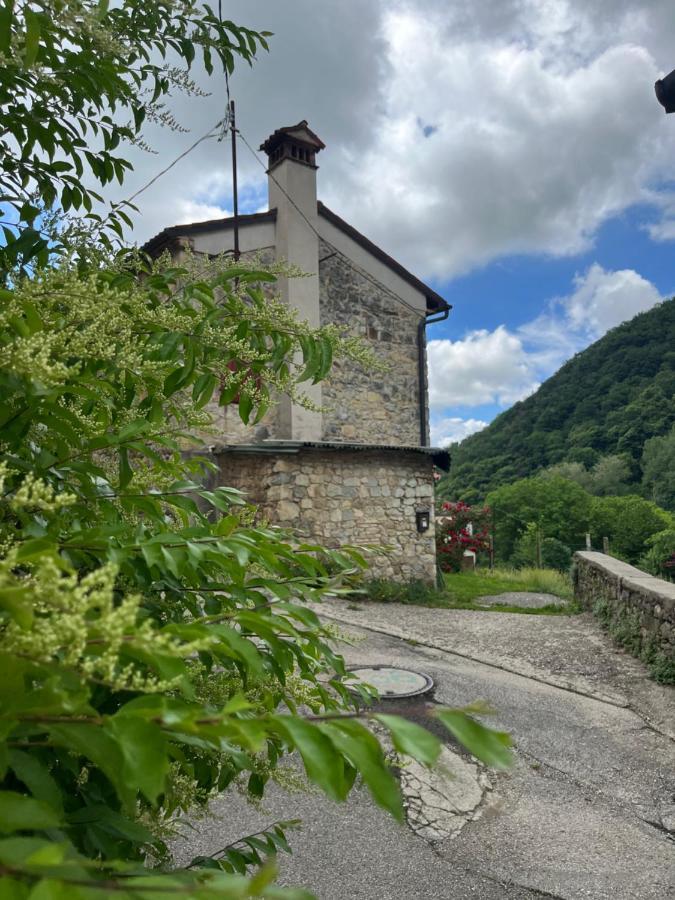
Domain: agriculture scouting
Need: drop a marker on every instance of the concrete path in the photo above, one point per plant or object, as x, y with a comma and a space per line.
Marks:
524, 599
588, 810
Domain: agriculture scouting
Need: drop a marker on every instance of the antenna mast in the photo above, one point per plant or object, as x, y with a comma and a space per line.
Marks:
235, 198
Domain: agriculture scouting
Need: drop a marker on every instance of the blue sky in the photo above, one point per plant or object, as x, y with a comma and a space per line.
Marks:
511, 153
512, 292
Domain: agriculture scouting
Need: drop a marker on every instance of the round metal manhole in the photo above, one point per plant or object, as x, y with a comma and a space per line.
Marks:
393, 683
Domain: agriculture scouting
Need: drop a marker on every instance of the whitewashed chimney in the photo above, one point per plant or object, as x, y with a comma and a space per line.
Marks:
291, 154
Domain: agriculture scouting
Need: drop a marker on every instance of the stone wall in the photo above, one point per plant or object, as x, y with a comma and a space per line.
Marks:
345, 497
362, 406
369, 407
639, 609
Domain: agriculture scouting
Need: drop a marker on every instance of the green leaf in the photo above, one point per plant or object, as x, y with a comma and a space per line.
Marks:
132, 429
410, 739
245, 407
55, 889
237, 647
11, 889
362, 749
152, 554
491, 747
310, 356
33, 549
145, 754
126, 473
325, 357
92, 742
32, 45
108, 820
20, 813
323, 765
37, 778
203, 389
6, 26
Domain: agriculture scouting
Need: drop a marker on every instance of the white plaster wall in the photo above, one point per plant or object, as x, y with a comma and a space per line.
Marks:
297, 243
251, 238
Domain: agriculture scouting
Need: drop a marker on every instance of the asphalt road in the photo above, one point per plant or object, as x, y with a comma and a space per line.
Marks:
588, 811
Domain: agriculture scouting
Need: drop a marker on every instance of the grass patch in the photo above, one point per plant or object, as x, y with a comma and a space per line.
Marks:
488, 582
462, 590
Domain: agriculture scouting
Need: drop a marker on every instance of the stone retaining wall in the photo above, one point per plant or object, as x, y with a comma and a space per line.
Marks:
639, 609
345, 497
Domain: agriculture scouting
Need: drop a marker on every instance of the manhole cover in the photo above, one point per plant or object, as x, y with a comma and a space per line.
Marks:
392, 682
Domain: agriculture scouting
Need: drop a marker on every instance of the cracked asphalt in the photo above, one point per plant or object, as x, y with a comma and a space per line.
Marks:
588, 810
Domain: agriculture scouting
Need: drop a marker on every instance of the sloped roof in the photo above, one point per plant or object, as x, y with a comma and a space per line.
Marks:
168, 236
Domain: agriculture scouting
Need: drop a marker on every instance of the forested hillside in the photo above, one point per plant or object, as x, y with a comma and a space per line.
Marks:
606, 401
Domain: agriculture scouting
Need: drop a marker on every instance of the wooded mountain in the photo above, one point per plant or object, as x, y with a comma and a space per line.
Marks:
609, 399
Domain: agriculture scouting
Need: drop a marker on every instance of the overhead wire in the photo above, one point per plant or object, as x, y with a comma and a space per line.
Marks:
205, 137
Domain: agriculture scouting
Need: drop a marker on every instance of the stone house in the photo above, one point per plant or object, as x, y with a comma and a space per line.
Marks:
361, 470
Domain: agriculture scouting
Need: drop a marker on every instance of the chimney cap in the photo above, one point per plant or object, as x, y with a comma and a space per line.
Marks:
300, 134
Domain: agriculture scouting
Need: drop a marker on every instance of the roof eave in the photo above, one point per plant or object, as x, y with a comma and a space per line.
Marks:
435, 303
439, 455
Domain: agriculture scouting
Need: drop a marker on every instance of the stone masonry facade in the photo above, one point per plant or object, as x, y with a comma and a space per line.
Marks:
630, 599
345, 496
360, 405
378, 407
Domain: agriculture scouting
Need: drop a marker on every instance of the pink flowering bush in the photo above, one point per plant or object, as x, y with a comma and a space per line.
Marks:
459, 528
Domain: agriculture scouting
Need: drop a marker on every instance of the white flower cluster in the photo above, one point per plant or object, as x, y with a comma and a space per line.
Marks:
83, 625
34, 493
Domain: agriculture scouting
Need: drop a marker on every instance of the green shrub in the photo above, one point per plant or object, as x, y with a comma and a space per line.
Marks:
555, 554
662, 669
415, 592
659, 559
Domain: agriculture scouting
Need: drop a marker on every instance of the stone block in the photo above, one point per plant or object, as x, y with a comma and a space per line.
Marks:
287, 511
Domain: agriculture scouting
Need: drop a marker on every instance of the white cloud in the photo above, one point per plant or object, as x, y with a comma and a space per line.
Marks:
453, 429
540, 117
502, 367
193, 211
604, 299
484, 367
601, 300
531, 153
663, 230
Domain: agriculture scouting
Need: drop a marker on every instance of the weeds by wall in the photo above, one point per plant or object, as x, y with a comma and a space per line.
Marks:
636, 609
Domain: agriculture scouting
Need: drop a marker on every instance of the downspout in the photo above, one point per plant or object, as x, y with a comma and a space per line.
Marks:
422, 369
